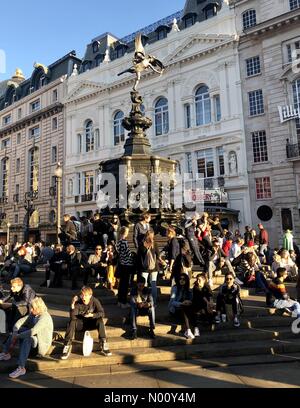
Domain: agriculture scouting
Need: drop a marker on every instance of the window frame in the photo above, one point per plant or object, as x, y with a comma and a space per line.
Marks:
256, 103
263, 188
162, 119
249, 19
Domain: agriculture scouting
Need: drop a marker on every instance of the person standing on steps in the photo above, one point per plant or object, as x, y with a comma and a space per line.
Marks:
86, 314
140, 230
125, 269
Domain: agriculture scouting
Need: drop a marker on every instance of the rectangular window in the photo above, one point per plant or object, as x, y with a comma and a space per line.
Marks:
256, 103
249, 19
54, 95
19, 113
6, 120
89, 182
54, 154
294, 4
54, 124
34, 132
18, 166
263, 188
287, 219
79, 144
78, 183
221, 161
289, 53
35, 106
205, 161
5, 144
218, 112
16, 219
260, 147
253, 66
187, 113
189, 163
19, 138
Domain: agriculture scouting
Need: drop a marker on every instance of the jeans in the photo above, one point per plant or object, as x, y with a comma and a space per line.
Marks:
212, 268
290, 304
153, 279
82, 324
135, 311
195, 249
125, 273
26, 269
105, 240
221, 305
261, 281
25, 346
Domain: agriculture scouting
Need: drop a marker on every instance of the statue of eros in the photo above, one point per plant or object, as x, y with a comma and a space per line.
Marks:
142, 62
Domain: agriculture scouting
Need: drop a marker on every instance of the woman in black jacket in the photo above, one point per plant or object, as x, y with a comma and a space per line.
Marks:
183, 262
202, 301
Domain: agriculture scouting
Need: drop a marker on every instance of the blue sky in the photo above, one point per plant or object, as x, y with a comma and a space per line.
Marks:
45, 31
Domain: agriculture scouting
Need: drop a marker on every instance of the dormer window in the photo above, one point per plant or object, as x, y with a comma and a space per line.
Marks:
189, 20
120, 51
162, 33
96, 46
99, 59
210, 11
86, 66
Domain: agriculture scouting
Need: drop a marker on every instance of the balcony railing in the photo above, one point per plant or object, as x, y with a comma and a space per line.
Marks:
3, 200
293, 150
87, 198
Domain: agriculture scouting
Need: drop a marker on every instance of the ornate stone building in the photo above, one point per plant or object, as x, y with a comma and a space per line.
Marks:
31, 145
269, 33
196, 107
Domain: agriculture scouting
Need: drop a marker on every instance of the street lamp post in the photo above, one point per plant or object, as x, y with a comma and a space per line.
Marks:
58, 175
30, 196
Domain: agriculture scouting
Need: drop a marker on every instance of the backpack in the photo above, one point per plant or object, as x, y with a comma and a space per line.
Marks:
149, 262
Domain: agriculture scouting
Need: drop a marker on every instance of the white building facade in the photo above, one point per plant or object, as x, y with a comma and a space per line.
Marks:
269, 53
196, 108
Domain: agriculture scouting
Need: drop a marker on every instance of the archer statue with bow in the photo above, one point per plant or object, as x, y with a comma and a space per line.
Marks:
142, 62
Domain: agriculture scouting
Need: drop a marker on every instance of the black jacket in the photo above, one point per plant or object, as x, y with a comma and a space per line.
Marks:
22, 298
173, 249
139, 233
199, 296
101, 227
146, 296
93, 307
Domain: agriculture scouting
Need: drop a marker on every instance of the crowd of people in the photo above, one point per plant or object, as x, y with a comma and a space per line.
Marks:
99, 253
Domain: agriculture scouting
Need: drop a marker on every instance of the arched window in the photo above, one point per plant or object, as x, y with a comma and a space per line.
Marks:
89, 137
249, 19
203, 106
34, 169
119, 131
4, 177
161, 117
296, 97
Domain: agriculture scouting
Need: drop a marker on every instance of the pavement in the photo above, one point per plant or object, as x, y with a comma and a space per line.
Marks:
174, 374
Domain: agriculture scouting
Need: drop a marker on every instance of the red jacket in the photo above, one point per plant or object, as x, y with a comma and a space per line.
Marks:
226, 247
264, 237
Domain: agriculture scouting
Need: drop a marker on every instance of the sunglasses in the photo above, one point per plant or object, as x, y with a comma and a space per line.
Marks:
229, 280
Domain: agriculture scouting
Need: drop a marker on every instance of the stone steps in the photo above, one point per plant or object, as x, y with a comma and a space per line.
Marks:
162, 354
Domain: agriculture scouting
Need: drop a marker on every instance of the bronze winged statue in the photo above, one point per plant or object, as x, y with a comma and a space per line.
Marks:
142, 62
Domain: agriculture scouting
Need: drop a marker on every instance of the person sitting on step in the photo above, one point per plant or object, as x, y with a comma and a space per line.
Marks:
33, 331
282, 299
16, 305
141, 302
229, 296
203, 303
180, 305
86, 314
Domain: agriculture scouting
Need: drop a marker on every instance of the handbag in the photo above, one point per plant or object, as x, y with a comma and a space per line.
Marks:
88, 344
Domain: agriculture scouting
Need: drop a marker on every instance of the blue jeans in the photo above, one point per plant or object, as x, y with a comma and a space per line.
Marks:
25, 346
261, 281
26, 269
135, 312
153, 280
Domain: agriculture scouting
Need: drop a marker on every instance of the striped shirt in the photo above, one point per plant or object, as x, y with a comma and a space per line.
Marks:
125, 255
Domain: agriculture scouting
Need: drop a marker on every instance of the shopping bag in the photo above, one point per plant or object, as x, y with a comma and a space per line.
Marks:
88, 344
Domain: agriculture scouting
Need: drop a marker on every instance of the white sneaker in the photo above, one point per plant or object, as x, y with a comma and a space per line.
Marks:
197, 332
18, 373
224, 318
189, 335
236, 322
5, 357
